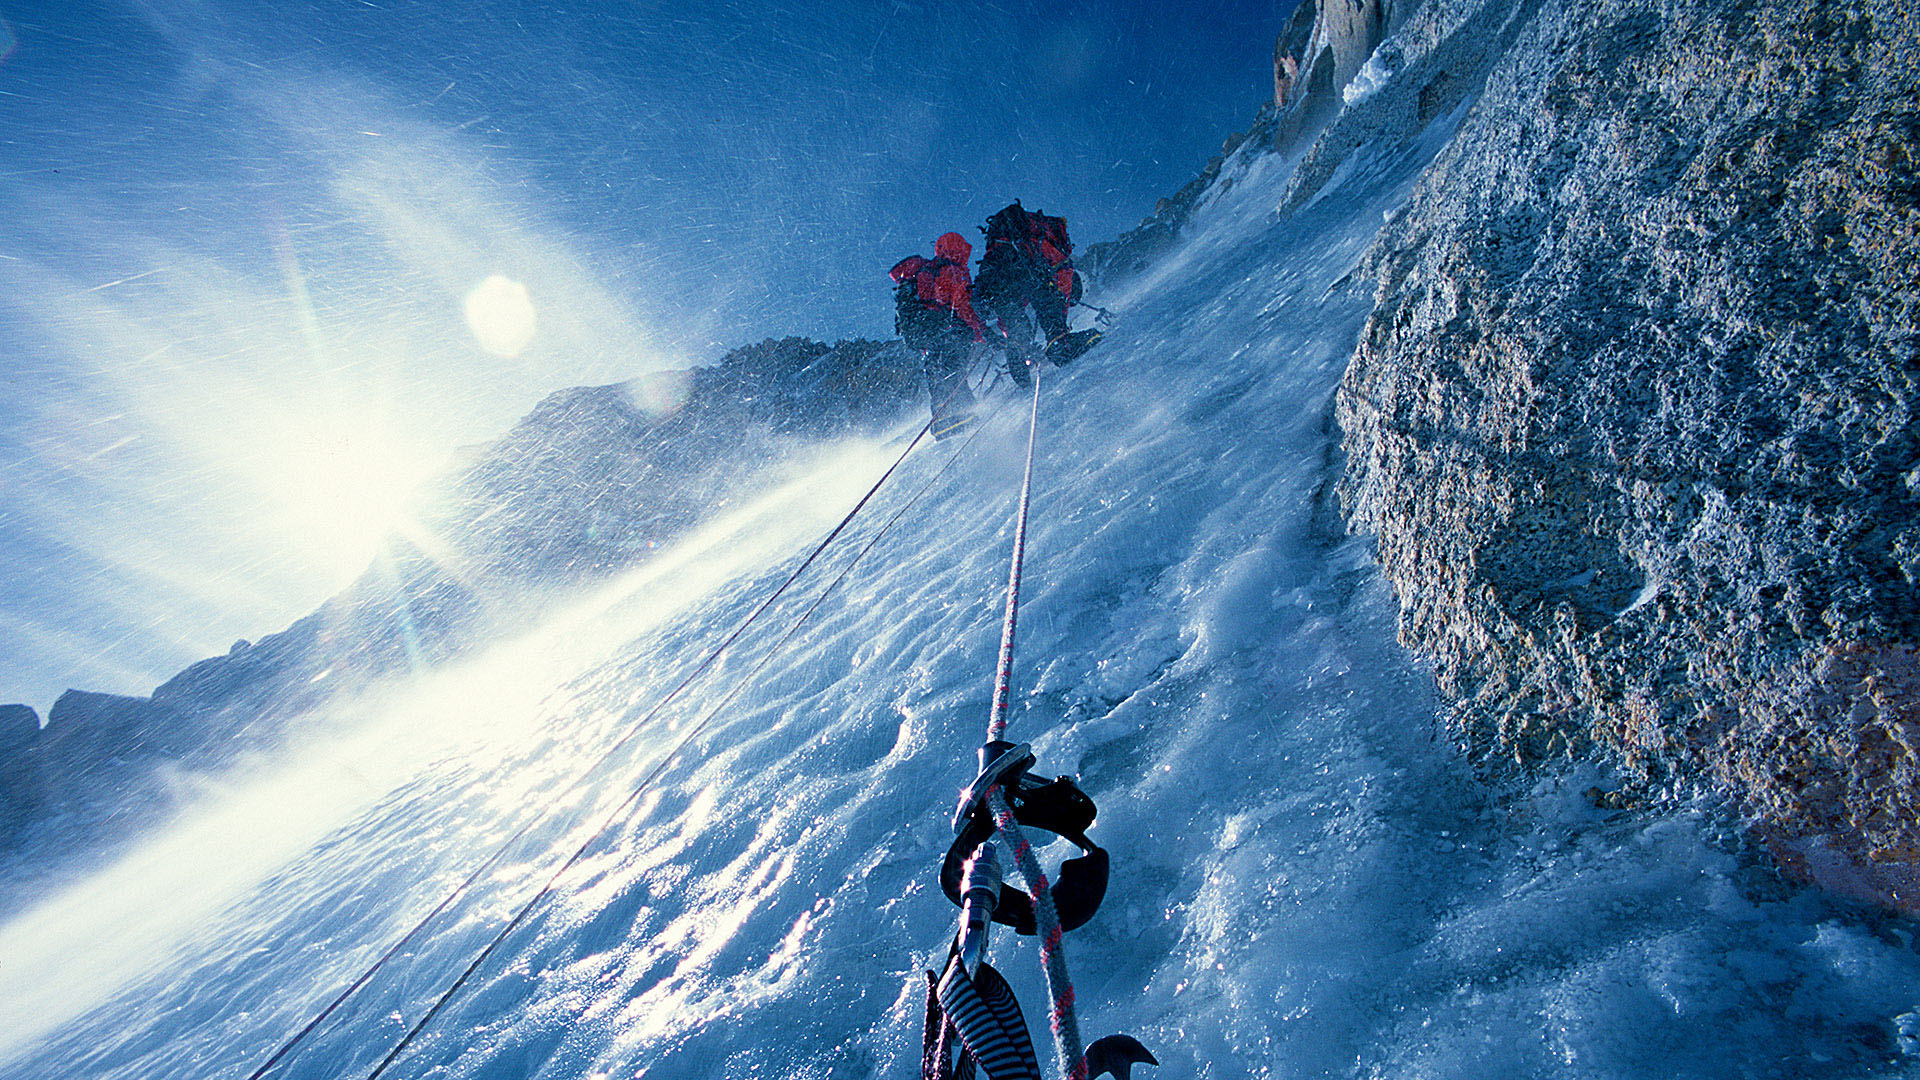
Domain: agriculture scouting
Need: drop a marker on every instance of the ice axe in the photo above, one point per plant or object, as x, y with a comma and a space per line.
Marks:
1101, 315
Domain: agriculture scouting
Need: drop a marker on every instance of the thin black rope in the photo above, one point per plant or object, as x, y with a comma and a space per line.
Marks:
640, 725
660, 767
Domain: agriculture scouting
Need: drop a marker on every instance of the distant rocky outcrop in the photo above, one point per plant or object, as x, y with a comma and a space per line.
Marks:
1324, 44
1634, 418
1438, 57
587, 484
1317, 55
1288, 48
1134, 250
595, 476
21, 794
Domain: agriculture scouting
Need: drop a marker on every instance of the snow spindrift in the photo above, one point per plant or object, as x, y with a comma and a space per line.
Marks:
970, 1001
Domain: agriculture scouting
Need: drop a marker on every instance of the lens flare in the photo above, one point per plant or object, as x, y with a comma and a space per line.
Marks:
661, 393
500, 313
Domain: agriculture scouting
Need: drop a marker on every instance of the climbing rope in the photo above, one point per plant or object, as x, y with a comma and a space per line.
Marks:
660, 767
1061, 1018
1003, 674
634, 730
970, 1000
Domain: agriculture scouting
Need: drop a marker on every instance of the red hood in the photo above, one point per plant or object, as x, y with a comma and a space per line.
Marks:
954, 247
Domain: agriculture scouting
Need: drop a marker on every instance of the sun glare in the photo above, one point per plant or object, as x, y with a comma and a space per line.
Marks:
345, 490
500, 313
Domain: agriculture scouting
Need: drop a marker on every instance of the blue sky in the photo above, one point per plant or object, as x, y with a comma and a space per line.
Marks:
242, 246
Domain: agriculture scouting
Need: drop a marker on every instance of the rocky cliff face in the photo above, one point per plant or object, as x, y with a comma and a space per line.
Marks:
594, 477
1317, 55
1634, 417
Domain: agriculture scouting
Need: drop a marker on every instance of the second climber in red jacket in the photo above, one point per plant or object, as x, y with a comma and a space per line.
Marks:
933, 312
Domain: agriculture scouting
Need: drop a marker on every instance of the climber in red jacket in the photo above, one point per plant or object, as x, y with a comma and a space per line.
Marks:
933, 312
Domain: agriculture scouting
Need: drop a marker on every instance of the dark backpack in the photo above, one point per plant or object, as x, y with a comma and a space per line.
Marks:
914, 278
1041, 239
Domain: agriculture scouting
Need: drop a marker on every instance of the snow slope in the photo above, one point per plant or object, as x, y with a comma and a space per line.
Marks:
1308, 880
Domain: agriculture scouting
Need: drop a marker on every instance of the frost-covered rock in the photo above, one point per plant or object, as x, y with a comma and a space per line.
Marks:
1317, 57
1379, 69
1444, 51
1634, 418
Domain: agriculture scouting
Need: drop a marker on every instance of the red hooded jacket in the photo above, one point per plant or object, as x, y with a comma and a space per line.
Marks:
950, 287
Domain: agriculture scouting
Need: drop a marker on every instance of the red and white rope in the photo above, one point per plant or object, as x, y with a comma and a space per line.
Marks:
1053, 958
1003, 677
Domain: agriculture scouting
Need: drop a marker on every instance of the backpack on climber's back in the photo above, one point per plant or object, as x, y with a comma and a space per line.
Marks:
1042, 239
916, 310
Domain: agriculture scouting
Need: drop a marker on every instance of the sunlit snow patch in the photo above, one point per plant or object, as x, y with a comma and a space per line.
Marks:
152, 909
73, 952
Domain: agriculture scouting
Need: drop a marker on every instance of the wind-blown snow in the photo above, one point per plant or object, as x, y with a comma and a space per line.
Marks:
1379, 69
1308, 879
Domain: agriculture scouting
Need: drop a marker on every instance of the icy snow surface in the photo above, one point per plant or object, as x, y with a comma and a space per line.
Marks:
1308, 879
